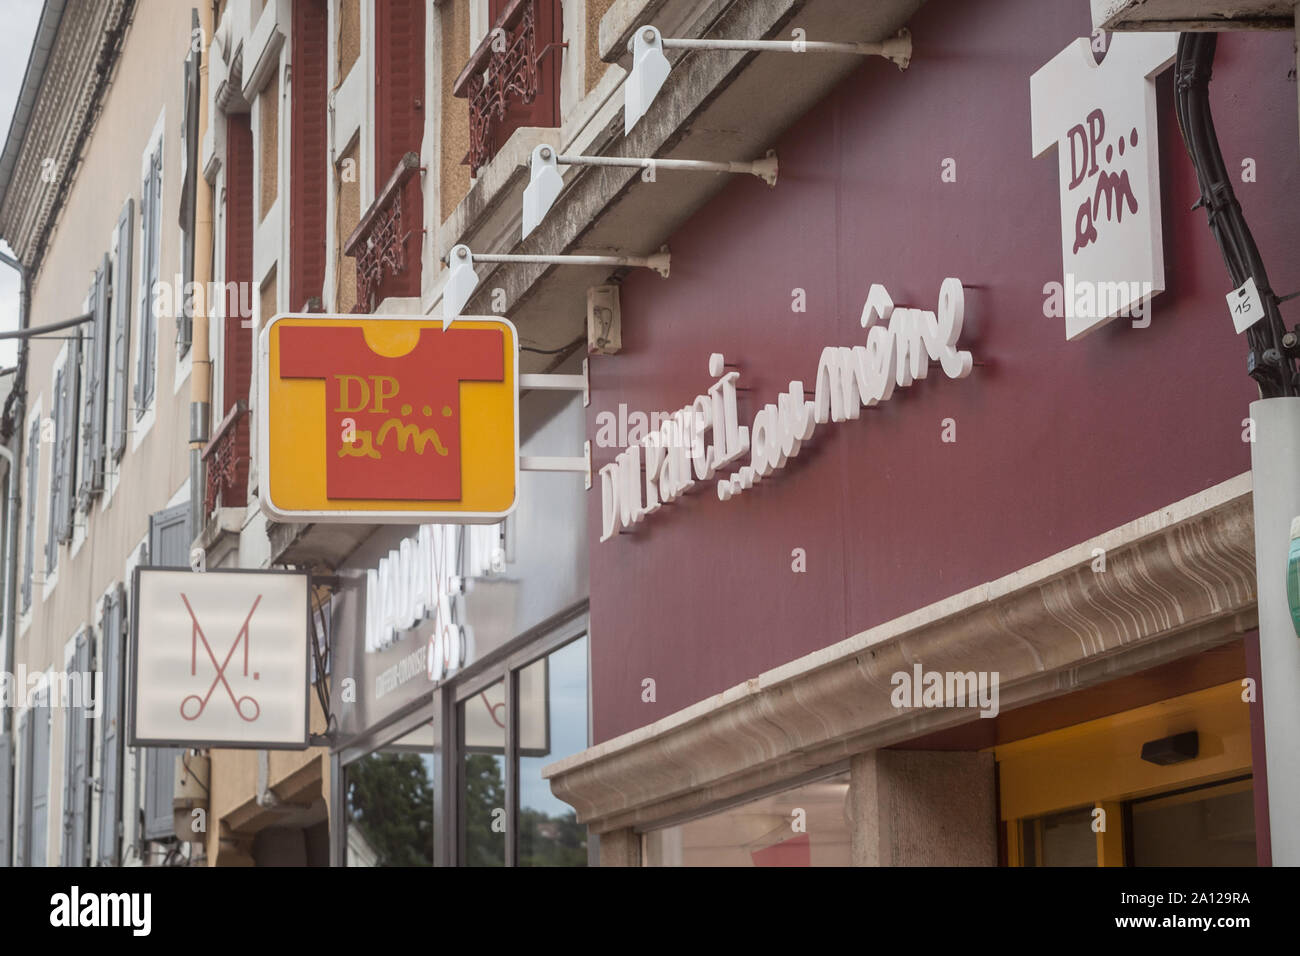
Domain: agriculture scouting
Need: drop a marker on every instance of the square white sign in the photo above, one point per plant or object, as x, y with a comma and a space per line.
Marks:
219, 658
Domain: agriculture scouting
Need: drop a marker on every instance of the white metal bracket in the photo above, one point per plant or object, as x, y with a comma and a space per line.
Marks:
561, 383
576, 464
554, 382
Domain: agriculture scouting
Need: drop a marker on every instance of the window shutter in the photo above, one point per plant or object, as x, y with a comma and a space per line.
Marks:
110, 737
40, 789
170, 538
189, 186
150, 202
52, 524
76, 763
122, 326
23, 795
399, 124
309, 151
6, 796
96, 391
66, 437
33, 477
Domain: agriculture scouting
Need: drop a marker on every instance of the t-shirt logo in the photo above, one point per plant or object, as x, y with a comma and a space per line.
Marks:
393, 428
1101, 118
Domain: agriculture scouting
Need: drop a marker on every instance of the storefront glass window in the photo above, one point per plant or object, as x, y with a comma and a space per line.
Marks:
390, 804
552, 725
806, 826
483, 777
1208, 826
1060, 839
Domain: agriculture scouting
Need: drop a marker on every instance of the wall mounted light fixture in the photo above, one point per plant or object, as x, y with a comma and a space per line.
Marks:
1175, 749
650, 68
545, 182
462, 280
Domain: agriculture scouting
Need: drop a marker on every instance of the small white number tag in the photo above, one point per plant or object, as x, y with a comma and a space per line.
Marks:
1244, 304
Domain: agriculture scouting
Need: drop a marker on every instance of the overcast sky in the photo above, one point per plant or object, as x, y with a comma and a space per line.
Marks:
20, 18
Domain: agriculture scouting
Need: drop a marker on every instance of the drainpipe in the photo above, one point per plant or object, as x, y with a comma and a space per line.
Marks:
17, 397
201, 375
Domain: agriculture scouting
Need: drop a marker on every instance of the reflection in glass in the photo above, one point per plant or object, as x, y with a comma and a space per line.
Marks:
1209, 826
1060, 839
483, 786
390, 805
552, 725
806, 826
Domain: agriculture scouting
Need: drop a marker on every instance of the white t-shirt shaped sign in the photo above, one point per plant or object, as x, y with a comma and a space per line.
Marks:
1101, 117
220, 658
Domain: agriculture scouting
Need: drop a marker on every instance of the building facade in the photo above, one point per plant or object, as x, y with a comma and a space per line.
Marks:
976, 587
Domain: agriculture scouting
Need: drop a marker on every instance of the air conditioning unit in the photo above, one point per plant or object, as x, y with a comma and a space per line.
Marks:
1182, 15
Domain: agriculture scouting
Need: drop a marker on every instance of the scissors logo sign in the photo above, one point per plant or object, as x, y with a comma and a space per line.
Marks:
220, 678
220, 658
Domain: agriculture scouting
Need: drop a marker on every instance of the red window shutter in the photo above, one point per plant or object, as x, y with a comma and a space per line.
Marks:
308, 151
236, 373
399, 122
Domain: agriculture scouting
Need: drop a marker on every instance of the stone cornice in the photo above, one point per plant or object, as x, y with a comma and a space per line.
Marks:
1177, 580
64, 108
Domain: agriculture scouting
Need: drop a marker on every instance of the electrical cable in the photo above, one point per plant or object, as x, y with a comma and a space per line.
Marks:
1270, 361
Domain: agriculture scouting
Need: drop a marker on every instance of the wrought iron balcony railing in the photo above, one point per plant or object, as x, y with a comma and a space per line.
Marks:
226, 462
379, 243
506, 81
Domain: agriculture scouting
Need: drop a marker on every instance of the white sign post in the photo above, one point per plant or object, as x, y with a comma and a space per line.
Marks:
1101, 119
220, 658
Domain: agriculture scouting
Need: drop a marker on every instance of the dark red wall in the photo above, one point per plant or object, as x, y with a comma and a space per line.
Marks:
1056, 441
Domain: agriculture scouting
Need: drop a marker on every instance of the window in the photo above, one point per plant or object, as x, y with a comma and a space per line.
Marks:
804, 826
29, 531
1202, 826
389, 813
150, 247
1060, 839
95, 376
533, 714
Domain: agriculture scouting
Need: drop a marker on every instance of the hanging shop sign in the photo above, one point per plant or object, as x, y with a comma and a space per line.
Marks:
704, 439
1101, 119
388, 419
219, 658
419, 582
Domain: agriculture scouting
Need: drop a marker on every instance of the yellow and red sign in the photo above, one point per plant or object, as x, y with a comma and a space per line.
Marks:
388, 419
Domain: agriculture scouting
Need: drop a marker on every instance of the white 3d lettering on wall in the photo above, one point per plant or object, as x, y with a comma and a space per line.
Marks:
672, 459
420, 579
